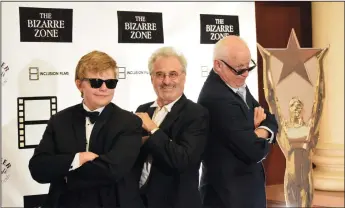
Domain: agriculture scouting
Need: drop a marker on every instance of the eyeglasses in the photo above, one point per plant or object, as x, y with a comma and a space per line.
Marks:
172, 75
97, 83
240, 71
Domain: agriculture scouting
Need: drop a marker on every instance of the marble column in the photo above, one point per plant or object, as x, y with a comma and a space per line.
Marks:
328, 29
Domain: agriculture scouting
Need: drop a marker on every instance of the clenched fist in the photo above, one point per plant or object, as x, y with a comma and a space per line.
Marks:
86, 156
259, 116
148, 124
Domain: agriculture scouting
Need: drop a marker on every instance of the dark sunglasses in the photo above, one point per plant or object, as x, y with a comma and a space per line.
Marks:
97, 83
240, 71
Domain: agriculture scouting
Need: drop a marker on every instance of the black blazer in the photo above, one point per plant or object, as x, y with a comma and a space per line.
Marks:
232, 170
176, 150
116, 138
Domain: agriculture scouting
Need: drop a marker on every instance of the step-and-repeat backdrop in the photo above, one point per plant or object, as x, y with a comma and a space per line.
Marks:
43, 41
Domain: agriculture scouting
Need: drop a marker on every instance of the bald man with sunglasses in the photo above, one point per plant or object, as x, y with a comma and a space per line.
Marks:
87, 150
240, 132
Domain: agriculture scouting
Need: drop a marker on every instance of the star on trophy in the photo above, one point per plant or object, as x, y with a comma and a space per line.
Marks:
295, 90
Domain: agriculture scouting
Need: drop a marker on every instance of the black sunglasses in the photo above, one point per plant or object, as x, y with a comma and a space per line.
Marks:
240, 71
97, 83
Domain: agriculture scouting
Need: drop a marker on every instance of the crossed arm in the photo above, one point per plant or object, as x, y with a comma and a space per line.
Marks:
47, 166
239, 134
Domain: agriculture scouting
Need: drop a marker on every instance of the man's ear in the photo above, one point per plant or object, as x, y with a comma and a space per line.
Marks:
78, 84
216, 66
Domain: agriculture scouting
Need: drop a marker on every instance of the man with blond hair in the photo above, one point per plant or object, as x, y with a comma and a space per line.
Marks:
241, 132
174, 136
88, 149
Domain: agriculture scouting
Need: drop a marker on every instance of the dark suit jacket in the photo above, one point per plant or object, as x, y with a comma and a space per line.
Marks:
105, 181
176, 150
232, 170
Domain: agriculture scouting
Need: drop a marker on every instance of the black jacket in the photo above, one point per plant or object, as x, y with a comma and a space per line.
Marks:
176, 149
232, 171
105, 181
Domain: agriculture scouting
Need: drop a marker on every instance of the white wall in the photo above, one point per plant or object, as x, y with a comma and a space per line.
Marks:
95, 27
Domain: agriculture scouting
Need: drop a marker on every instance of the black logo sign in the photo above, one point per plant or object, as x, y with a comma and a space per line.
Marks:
140, 27
45, 24
215, 27
5, 170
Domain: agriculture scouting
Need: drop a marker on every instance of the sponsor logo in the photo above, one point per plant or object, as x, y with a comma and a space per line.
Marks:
204, 71
123, 72
5, 170
35, 73
4, 71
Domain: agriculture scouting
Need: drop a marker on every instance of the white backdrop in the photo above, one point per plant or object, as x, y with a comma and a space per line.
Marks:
95, 28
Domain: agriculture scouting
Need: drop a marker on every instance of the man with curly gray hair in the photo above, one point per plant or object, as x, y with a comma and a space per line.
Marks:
174, 135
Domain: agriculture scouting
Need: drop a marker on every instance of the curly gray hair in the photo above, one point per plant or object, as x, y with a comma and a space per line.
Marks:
167, 52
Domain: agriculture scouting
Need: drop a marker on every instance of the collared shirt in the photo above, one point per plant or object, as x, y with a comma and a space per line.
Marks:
168, 106
241, 89
88, 129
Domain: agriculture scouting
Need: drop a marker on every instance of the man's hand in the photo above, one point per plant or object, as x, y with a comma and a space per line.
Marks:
86, 157
262, 133
148, 124
259, 116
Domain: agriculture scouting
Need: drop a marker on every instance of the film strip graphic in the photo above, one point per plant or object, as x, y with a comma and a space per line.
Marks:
122, 72
34, 73
204, 71
22, 122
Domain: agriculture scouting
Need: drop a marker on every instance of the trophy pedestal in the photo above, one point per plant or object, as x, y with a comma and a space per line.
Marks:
275, 197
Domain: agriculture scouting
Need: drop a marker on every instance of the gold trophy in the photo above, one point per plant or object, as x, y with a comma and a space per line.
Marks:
295, 90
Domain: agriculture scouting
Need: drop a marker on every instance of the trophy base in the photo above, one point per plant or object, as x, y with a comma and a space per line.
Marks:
275, 197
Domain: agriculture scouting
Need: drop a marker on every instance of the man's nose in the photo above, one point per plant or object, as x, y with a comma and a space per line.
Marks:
245, 74
103, 86
166, 79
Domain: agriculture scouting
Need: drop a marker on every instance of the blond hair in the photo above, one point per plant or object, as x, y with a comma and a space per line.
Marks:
96, 62
167, 52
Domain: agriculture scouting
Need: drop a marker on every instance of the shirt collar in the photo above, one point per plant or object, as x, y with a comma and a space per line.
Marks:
241, 89
98, 109
168, 106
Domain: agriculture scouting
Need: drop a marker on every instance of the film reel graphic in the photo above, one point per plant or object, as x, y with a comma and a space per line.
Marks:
24, 122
